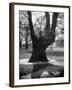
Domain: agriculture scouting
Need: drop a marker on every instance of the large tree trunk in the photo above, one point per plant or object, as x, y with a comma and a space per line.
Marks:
41, 43
38, 52
38, 56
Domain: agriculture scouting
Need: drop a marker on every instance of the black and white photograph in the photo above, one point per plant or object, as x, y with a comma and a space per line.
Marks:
41, 44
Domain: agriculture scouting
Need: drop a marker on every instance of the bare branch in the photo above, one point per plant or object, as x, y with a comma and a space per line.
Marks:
47, 29
31, 24
54, 21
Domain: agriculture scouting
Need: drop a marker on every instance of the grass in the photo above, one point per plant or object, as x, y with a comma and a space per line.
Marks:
35, 71
55, 53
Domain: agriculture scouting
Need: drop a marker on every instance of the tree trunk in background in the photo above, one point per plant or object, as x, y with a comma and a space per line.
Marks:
41, 43
26, 45
51, 47
20, 43
26, 40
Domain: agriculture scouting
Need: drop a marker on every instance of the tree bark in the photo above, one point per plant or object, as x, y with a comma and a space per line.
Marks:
40, 44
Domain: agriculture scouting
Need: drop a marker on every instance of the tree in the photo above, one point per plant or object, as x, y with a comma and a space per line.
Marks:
60, 30
26, 36
43, 41
23, 28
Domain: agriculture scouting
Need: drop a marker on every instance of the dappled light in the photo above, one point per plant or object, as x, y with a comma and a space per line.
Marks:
41, 44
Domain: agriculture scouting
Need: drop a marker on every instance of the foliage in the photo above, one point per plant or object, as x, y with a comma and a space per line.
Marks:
39, 23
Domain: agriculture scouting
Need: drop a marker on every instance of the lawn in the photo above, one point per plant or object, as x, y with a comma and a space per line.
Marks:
54, 54
32, 70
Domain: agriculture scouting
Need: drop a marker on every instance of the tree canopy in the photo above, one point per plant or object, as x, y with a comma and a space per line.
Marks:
39, 24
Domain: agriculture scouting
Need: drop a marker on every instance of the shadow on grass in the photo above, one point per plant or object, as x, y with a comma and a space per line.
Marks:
35, 70
50, 68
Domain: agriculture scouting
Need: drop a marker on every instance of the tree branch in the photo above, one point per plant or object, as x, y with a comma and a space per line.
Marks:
31, 25
54, 21
47, 29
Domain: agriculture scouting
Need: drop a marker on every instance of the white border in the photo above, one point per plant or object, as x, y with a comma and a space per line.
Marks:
16, 44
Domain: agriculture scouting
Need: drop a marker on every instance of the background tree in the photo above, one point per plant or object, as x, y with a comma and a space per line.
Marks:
24, 31
60, 31
44, 39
